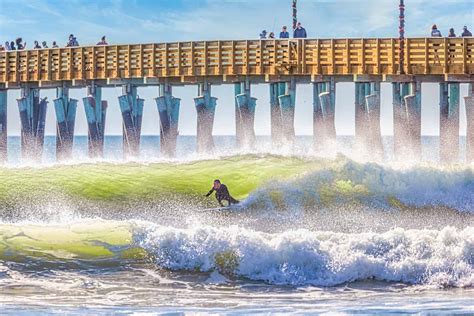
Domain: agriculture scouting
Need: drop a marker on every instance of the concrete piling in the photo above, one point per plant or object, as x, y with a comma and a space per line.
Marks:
244, 115
32, 117
96, 111
205, 107
131, 107
65, 120
324, 128
407, 120
168, 109
469, 102
3, 126
449, 122
367, 117
282, 109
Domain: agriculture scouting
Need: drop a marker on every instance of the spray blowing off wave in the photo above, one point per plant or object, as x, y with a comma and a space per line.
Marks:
372, 184
302, 257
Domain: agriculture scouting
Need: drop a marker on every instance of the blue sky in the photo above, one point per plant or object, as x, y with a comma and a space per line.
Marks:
141, 21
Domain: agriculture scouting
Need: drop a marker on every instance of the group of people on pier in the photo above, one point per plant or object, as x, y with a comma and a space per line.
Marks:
435, 32
19, 45
298, 32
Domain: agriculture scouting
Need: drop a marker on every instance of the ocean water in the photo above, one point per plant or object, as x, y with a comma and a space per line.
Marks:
313, 234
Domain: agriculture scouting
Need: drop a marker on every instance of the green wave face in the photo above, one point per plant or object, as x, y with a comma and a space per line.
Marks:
90, 239
112, 182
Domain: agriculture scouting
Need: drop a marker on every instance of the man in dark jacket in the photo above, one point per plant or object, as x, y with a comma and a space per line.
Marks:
222, 193
284, 33
465, 32
299, 32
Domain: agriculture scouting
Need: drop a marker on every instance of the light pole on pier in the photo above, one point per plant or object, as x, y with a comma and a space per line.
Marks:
295, 19
401, 31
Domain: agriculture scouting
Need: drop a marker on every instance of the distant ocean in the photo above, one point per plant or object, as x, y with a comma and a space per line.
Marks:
225, 145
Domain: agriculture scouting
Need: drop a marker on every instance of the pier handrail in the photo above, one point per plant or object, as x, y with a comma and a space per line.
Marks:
184, 60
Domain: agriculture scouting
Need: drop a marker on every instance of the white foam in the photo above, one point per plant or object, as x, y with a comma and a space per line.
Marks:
416, 186
302, 257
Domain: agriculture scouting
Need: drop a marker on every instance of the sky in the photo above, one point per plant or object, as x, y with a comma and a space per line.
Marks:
147, 21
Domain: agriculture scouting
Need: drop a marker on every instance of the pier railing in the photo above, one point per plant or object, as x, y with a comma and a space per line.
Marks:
423, 56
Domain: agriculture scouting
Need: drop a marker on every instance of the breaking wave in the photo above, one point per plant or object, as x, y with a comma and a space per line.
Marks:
301, 257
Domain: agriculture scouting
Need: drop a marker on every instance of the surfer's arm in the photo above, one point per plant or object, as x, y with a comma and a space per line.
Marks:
210, 192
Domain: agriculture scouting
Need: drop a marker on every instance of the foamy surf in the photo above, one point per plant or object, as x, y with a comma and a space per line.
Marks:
426, 257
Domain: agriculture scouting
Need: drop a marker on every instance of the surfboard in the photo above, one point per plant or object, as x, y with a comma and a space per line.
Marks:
232, 207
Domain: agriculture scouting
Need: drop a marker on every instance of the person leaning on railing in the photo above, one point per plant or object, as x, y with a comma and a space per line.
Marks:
435, 32
103, 41
465, 32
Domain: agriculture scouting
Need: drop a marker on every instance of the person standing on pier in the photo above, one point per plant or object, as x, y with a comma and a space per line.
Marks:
263, 35
55, 45
19, 44
102, 41
435, 32
300, 31
465, 32
36, 45
451, 33
72, 41
284, 33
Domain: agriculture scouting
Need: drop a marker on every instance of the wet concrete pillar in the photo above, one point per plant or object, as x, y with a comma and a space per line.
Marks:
32, 118
407, 120
168, 108
374, 143
65, 119
96, 111
282, 109
131, 107
3, 126
469, 102
449, 97
276, 89
205, 107
324, 128
367, 119
244, 115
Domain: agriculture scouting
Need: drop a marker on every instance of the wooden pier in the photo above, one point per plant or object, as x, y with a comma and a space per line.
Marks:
283, 64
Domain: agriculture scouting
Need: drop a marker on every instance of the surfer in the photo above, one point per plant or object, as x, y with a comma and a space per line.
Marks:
222, 193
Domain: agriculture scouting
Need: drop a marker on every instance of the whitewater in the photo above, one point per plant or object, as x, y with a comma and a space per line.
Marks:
314, 234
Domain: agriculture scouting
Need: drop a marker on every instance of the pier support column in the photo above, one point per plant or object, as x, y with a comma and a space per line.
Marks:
324, 127
449, 96
32, 117
65, 117
407, 120
205, 107
96, 111
282, 108
244, 115
168, 108
469, 102
367, 119
3, 126
132, 111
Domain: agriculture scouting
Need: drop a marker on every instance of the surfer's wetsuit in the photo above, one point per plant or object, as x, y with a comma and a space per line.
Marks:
222, 194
